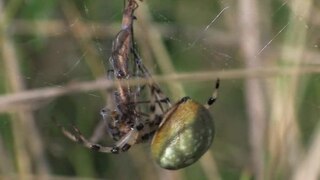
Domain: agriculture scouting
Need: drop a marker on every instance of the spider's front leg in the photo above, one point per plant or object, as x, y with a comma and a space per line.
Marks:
77, 136
120, 146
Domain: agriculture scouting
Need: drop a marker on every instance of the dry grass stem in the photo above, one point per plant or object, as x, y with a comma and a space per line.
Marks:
164, 61
156, 45
6, 165
55, 28
157, 48
309, 167
50, 177
250, 44
82, 34
284, 132
210, 167
25, 132
11, 101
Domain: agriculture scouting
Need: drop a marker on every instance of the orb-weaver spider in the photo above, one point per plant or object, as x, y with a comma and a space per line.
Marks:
181, 133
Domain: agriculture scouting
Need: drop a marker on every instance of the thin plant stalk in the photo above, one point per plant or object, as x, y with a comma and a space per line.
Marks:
256, 110
9, 102
284, 135
6, 165
164, 61
24, 128
309, 168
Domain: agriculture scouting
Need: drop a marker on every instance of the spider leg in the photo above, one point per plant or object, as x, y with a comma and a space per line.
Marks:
214, 95
120, 146
149, 102
155, 89
158, 98
127, 140
77, 136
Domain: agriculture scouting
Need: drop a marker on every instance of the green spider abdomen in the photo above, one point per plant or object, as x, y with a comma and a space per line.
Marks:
185, 134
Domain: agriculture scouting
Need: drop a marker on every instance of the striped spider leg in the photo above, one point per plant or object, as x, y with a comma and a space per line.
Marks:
158, 99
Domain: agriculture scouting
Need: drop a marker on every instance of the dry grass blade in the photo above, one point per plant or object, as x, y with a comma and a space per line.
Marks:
158, 48
50, 177
22, 158
284, 132
26, 135
249, 17
55, 28
82, 34
309, 168
10, 101
156, 45
25, 131
6, 165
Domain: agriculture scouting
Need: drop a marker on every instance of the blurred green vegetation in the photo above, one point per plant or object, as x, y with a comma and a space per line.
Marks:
49, 54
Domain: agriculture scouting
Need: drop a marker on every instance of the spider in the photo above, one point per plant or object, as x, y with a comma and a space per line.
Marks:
181, 133
180, 136
126, 123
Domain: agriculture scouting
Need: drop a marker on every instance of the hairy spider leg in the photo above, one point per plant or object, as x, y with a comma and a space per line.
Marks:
157, 96
122, 145
155, 88
77, 137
